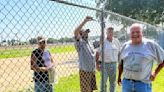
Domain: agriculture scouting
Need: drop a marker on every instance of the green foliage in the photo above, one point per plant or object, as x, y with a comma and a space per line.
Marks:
33, 41
52, 40
66, 39
151, 11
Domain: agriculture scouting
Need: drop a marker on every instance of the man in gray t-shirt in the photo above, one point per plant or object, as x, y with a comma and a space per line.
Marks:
136, 62
86, 58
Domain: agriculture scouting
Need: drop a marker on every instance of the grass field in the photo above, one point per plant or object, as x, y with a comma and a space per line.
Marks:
71, 84
20, 70
21, 52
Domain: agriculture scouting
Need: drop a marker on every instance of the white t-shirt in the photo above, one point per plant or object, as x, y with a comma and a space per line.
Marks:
111, 50
48, 63
138, 59
47, 58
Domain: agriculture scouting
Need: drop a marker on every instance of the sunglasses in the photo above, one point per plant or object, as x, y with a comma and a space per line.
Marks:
43, 42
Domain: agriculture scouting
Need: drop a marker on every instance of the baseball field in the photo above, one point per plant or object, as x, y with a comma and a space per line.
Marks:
16, 75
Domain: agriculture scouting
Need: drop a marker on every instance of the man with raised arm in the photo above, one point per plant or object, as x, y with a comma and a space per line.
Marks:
86, 58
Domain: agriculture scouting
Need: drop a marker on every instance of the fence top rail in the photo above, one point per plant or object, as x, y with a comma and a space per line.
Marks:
77, 5
107, 11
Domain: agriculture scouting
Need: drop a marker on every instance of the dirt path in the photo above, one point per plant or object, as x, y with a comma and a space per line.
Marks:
15, 73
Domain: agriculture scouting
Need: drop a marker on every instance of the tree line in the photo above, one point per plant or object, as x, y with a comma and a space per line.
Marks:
150, 11
52, 40
34, 41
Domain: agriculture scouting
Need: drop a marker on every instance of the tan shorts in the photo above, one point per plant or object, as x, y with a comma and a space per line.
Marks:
87, 81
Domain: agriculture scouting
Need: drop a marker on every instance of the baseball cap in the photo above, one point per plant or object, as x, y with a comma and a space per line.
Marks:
85, 30
41, 39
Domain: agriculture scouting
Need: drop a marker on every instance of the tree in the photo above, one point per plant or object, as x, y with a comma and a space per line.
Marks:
13, 42
52, 40
150, 11
33, 41
4, 41
66, 39
9, 42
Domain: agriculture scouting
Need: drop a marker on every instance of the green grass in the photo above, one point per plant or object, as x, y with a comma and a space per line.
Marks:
68, 84
158, 84
21, 52
71, 83
62, 49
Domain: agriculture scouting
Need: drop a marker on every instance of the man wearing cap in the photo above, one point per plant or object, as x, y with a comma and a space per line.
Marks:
136, 60
111, 50
41, 63
86, 58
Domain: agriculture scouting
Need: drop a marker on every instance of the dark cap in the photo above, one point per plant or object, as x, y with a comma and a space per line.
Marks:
87, 30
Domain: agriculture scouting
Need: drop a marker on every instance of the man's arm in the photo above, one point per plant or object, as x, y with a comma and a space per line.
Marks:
78, 29
34, 67
157, 70
97, 61
120, 70
33, 62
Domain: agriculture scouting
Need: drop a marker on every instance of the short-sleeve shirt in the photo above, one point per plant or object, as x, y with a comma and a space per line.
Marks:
47, 58
111, 50
86, 55
40, 62
138, 59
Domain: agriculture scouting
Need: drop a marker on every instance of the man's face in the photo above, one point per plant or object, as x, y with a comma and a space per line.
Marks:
136, 35
42, 44
110, 34
84, 35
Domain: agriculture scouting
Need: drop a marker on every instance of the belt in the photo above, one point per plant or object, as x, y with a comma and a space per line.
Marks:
106, 62
133, 80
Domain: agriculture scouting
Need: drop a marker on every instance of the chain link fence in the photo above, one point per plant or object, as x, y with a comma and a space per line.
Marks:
22, 21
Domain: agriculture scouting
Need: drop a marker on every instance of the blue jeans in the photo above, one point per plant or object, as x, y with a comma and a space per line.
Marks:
135, 86
110, 71
43, 87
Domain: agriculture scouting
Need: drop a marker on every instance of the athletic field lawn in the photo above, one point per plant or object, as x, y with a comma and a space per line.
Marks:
21, 52
71, 83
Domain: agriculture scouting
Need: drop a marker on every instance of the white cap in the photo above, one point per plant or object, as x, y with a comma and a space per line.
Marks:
41, 38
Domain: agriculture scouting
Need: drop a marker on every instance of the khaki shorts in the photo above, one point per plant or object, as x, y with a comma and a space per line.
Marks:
87, 81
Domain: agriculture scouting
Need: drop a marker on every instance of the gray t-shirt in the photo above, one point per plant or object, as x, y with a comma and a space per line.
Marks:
86, 55
138, 59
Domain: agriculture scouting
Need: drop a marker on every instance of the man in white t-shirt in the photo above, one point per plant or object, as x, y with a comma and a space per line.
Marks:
111, 50
136, 61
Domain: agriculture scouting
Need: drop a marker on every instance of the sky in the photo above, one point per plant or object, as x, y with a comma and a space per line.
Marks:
25, 19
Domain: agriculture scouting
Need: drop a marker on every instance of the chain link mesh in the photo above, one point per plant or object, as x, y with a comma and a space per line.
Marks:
22, 21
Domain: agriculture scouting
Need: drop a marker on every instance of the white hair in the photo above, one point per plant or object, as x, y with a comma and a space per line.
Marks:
137, 25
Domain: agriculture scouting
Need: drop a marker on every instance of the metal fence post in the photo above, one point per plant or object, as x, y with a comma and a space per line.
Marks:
102, 40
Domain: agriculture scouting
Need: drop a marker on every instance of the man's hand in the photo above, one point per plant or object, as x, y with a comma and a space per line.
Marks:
78, 29
119, 81
152, 76
50, 67
43, 69
88, 18
157, 70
